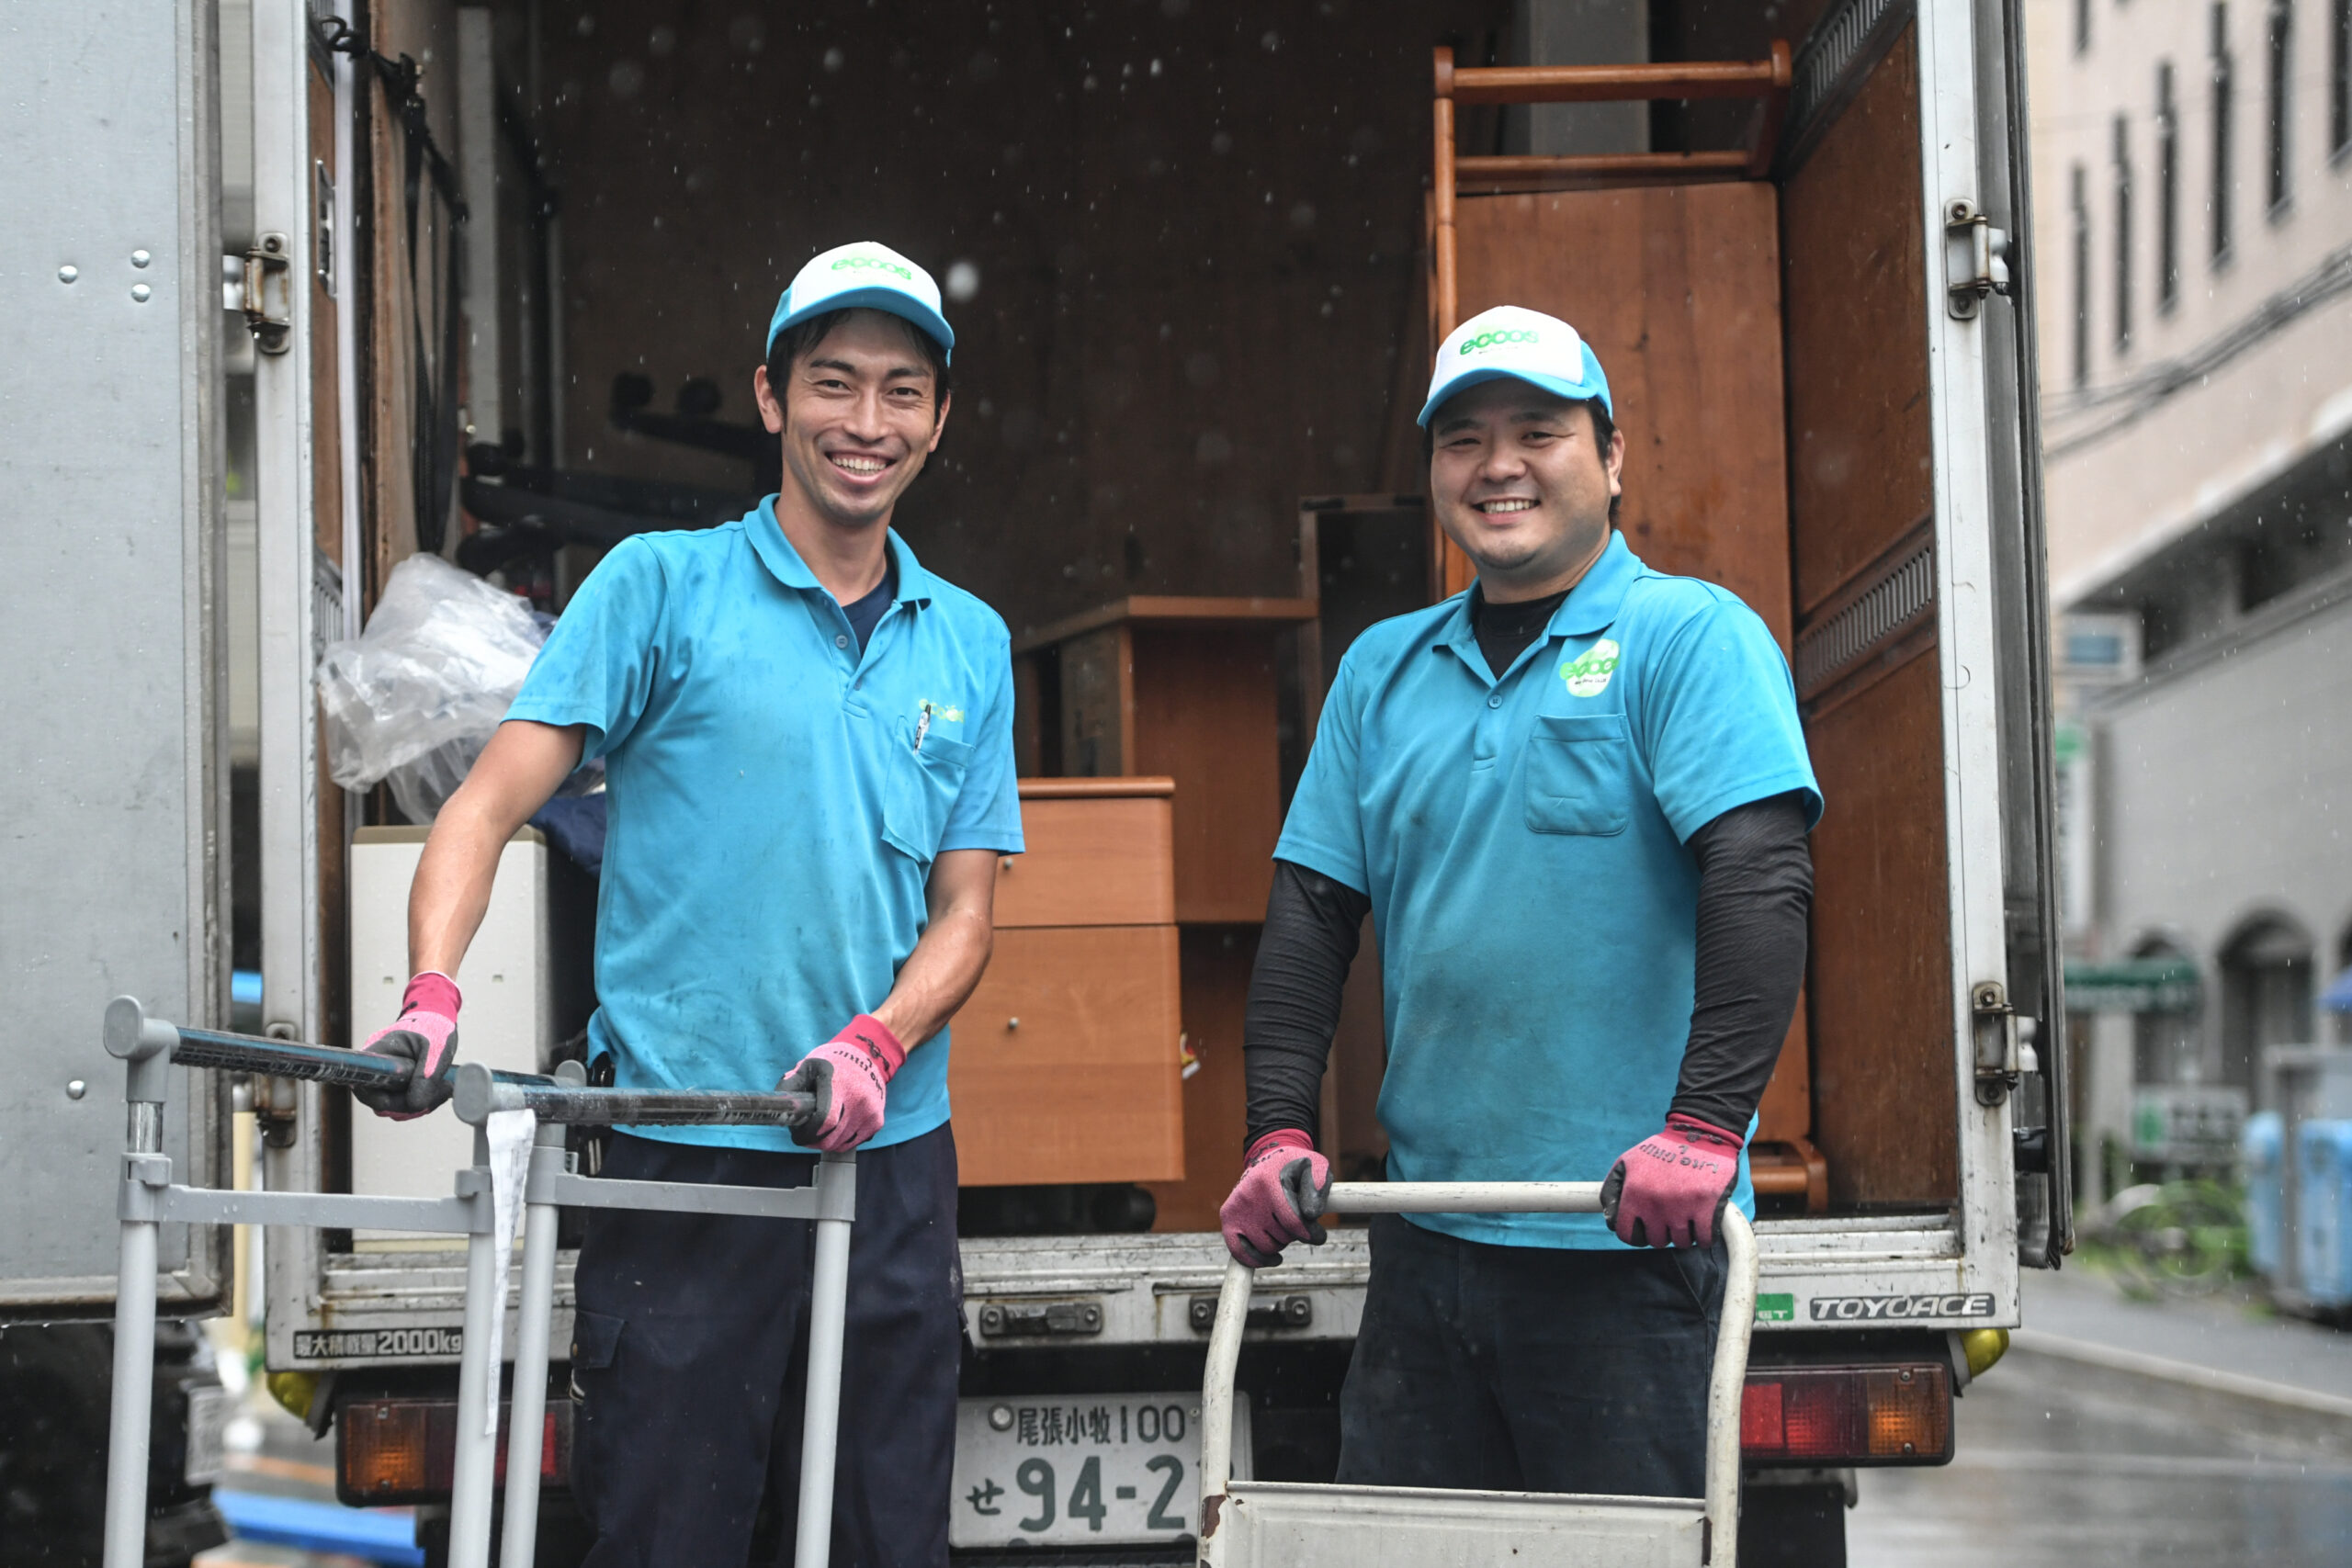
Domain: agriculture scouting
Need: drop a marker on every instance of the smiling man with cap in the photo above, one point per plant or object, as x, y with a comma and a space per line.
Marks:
808, 743
1574, 800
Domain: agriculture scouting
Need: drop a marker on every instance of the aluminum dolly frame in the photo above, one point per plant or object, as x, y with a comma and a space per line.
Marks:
148, 1198
1267, 1524
830, 1200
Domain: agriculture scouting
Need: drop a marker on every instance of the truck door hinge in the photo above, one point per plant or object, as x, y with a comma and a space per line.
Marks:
1997, 1040
1976, 259
269, 293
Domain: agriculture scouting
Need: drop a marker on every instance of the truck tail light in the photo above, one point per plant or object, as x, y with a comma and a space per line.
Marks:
404, 1450
1808, 1416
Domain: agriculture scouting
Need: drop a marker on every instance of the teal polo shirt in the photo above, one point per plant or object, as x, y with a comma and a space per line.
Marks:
776, 802
1522, 839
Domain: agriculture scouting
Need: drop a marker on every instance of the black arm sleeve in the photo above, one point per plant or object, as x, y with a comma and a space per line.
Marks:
1755, 890
1312, 925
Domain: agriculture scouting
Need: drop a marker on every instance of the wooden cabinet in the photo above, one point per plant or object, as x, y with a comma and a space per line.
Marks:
1066, 1064
1189, 688
1192, 688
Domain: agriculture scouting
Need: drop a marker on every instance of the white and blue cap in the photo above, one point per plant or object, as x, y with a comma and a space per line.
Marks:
868, 275
1525, 345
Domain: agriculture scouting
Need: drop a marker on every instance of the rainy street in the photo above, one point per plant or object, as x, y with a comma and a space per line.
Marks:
2064, 1462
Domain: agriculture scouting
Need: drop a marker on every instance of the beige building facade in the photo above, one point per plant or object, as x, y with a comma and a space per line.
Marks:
2193, 229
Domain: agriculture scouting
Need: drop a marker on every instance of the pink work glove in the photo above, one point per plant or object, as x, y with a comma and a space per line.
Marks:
426, 1037
850, 1075
1280, 1196
1670, 1189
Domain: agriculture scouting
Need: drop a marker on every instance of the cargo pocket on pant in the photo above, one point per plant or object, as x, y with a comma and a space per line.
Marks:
1579, 775
595, 1339
920, 787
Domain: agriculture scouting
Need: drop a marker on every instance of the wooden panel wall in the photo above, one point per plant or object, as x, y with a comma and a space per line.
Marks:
427, 30
1857, 343
1884, 1096
1679, 292
1886, 1113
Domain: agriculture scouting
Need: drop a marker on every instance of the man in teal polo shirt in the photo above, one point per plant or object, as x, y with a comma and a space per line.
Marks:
808, 743
1574, 800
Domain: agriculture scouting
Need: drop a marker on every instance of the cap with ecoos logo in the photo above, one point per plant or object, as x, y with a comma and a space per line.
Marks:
1526, 345
864, 274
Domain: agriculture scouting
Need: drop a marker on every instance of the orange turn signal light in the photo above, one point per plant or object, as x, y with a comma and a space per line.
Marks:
1889, 1415
404, 1450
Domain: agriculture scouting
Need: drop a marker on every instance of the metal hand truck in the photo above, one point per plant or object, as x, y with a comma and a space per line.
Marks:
1270, 1524
509, 1112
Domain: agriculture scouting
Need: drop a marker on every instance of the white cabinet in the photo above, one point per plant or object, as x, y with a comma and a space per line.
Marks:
509, 1017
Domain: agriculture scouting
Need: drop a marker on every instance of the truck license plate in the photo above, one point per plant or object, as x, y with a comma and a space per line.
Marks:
1097, 1468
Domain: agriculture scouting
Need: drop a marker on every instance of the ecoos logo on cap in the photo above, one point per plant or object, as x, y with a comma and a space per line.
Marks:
873, 262
1492, 339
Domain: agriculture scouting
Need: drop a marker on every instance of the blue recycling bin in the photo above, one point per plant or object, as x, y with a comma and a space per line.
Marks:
2263, 1139
2324, 1210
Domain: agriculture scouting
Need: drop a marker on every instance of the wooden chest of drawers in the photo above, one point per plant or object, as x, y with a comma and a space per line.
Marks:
1065, 1064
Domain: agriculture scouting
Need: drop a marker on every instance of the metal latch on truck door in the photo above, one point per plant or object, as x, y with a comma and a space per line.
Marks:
1265, 1312
1997, 1040
1040, 1317
1976, 258
269, 293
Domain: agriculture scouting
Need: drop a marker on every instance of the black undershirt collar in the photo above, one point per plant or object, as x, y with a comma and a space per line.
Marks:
1504, 631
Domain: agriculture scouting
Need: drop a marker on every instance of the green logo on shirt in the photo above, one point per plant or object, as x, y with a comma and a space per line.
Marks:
1588, 673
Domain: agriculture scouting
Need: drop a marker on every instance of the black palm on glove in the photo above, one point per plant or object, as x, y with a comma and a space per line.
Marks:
426, 1038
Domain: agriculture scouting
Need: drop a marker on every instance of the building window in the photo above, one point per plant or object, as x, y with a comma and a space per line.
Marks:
2122, 156
2265, 994
2222, 110
2079, 191
2168, 189
2167, 1039
2340, 77
2282, 82
2082, 25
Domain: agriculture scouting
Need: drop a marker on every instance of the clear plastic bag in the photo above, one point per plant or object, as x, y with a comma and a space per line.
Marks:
413, 699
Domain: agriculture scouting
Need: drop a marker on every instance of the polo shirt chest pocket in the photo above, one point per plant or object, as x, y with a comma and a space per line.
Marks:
920, 787
1579, 774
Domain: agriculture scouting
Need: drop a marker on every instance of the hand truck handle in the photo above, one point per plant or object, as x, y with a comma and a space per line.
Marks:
481, 1092
139, 1039
1726, 1380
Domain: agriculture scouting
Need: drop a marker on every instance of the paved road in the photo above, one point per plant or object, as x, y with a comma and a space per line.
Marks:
2065, 1463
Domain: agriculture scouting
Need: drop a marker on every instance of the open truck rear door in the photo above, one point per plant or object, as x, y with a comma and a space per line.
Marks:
2042, 1132
114, 795
306, 66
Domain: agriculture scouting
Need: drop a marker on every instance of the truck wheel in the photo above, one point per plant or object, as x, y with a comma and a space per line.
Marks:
1792, 1526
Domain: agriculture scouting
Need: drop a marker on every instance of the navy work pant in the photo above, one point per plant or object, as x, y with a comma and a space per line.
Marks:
691, 1349
1531, 1369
